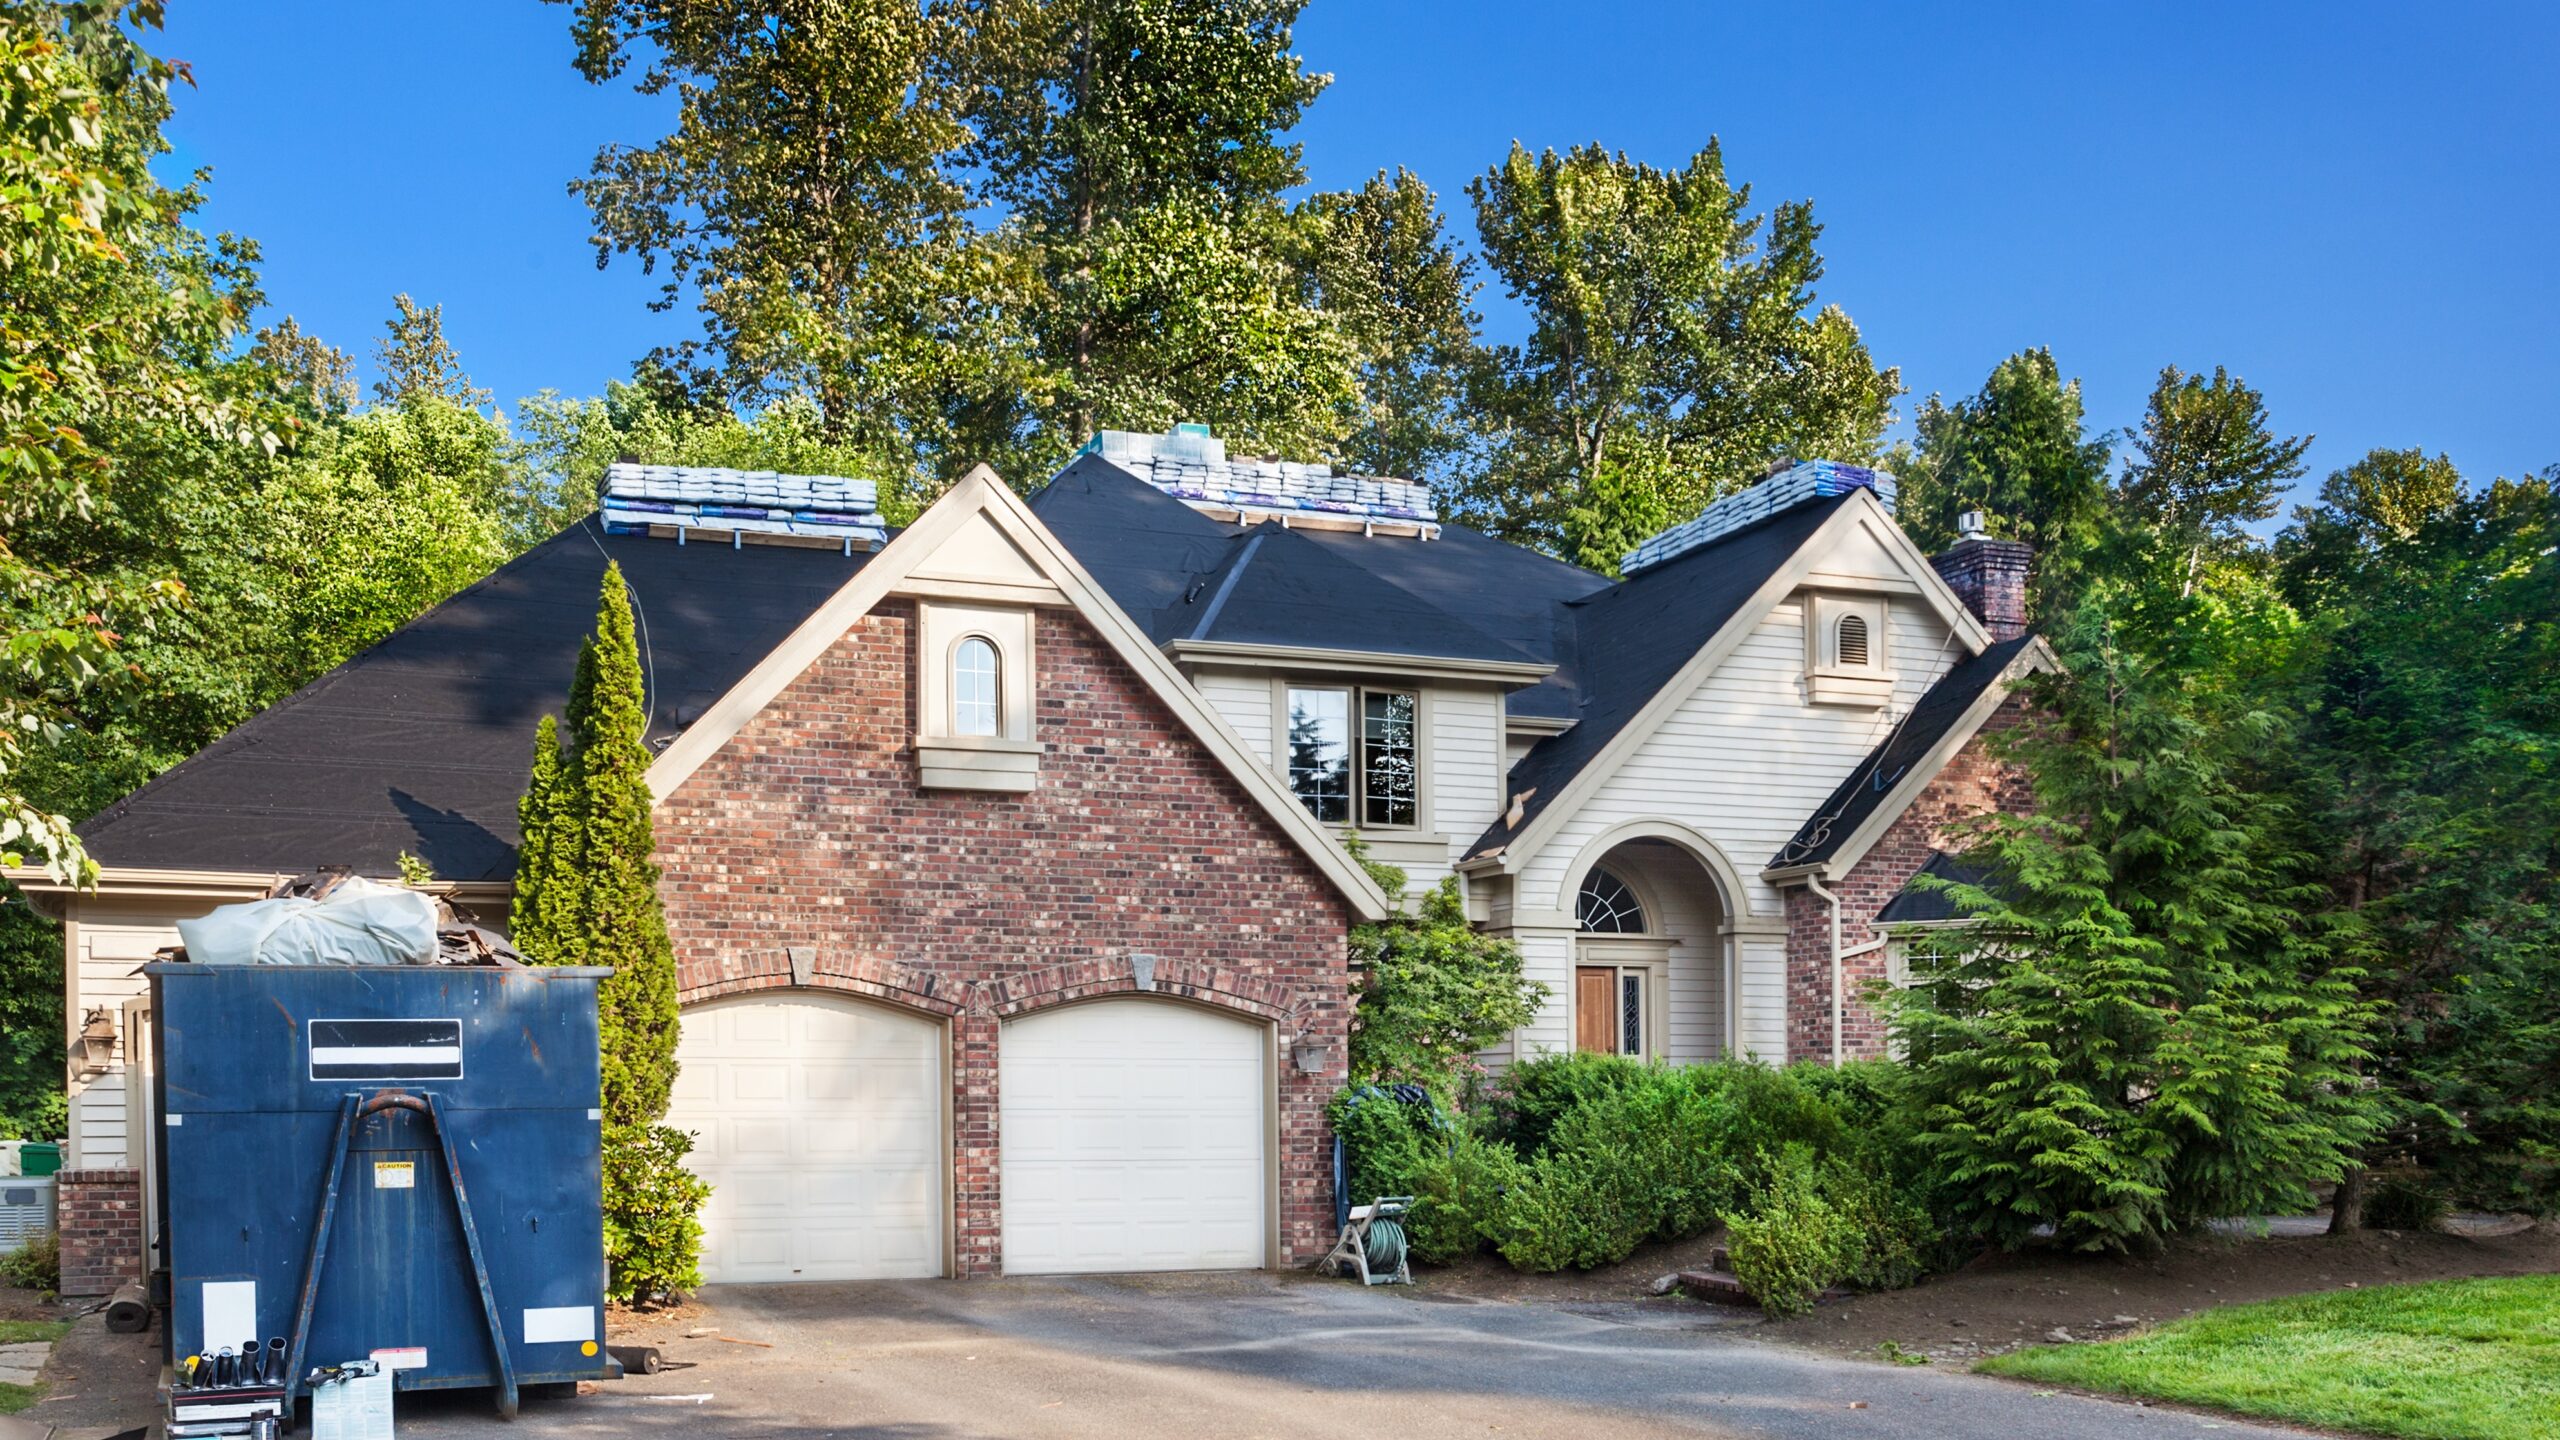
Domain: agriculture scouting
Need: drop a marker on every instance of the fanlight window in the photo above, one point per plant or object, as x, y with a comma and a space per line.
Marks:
973, 687
1608, 905
1853, 640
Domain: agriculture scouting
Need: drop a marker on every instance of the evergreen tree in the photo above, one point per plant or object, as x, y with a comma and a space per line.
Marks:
418, 363
2153, 1021
543, 920
617, 907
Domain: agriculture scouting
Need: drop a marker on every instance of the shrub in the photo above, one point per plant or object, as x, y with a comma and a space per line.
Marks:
1432, 990
35, 1265
1793, 1242
652, 1233
1459, 1196
2404, 1198
1524, 1107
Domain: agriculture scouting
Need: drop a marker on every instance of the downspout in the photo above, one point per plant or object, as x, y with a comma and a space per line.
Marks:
1839, 1010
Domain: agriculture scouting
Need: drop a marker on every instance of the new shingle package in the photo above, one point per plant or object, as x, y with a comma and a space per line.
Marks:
1793, 486
741, 503
1194, 468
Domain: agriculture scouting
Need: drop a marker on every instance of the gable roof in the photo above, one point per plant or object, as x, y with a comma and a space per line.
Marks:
1459, 596
1635, 637
422, 741
980, 510
1916, 904
1892, 775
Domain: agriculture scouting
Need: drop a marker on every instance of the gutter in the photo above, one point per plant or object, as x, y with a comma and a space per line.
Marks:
1839, 1006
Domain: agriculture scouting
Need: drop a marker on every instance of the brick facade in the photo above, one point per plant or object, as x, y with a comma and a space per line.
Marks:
1975, 782
99, 1216
808, 829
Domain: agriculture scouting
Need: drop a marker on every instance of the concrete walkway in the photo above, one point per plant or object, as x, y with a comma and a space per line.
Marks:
1271, 1355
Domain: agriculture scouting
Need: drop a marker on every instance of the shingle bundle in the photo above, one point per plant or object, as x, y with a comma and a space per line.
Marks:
1805, 481
1194, 467
741, 504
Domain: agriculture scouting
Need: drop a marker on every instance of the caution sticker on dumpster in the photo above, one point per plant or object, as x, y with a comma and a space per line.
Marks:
404, 1357
395, 1175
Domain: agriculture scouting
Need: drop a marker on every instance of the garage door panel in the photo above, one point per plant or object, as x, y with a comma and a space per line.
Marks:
1134, 1138
820, 1130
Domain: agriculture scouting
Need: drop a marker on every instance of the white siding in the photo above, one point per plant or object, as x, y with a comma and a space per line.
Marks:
1243, 700
110, 944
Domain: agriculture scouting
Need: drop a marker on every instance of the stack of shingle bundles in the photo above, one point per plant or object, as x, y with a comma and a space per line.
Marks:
1280, 487
1805, 481
742, 505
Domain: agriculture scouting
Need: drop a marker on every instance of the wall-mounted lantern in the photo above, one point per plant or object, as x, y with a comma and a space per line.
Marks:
98, 1040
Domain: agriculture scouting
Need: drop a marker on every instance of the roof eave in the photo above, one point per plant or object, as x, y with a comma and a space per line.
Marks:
1507, 673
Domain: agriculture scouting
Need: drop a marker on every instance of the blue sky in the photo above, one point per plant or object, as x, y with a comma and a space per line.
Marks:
2352, 206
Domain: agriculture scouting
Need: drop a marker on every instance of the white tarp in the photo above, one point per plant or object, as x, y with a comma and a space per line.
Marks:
360, 922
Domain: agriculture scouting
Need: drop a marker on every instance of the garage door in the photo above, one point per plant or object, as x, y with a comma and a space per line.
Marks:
819, 1125
1134, 1139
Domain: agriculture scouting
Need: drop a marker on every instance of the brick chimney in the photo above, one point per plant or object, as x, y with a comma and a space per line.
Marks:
1990, 576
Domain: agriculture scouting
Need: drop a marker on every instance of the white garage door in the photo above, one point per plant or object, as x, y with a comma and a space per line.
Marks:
1134, 1139
819, 1125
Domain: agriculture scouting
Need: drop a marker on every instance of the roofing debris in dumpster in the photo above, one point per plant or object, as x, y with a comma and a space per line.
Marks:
339, 919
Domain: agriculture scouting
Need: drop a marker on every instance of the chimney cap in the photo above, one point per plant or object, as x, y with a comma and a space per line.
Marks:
1970, 524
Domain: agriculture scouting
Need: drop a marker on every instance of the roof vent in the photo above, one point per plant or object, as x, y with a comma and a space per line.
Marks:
744, 506
1191, 465
1796, 485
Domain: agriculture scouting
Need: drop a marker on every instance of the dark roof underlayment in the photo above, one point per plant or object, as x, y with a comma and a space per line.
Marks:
1631, 638
1917, 904
423, 742
1867, 786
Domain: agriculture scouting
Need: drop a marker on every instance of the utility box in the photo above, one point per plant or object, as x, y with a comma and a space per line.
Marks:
387, 1162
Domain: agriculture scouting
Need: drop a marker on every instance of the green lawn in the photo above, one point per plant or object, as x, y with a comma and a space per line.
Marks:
2456, 1360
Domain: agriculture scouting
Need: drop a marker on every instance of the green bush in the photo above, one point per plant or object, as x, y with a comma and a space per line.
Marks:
652, 1204
1792, 1242
1459, 1196
35, 1265
2404, 1198
1525, 1105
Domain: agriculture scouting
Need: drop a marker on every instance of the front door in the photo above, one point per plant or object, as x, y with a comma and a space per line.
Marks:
1609, 1009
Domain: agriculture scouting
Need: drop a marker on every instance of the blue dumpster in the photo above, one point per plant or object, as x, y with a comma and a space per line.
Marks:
395, 1162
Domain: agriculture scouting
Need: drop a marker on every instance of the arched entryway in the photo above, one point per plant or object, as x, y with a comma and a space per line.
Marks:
1651, 974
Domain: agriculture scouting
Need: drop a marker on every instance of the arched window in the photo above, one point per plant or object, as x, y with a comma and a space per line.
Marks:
973, 687
1852, 649
1608, 905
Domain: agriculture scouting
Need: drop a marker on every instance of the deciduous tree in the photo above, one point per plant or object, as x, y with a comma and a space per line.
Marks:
2206, 465
1379, 262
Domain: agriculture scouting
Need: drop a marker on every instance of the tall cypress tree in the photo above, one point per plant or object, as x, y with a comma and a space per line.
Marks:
543, 919
618, 914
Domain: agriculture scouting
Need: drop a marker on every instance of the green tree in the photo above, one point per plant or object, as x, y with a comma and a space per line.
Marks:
2019, 452
2430, 761
1674, 351
1134, 153
418, 363
315, 376
1379, 262
2206, 465
2154, 1018
1432, 991
543, 916
802, 201
32, 1106
117, 315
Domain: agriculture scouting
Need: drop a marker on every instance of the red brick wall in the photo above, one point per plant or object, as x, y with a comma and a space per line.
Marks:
808, 829
99, 1215
1974, 783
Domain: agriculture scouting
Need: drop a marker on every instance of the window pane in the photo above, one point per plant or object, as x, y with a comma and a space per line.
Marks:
1608, 905
1630, 1012
1387, 790
1320, 752
973, 688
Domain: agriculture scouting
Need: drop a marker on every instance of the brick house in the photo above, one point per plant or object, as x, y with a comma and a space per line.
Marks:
1013, 849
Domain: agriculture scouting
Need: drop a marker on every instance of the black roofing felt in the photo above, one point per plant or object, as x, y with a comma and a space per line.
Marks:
422, 742
1917, 904
1867, 786
1630, 639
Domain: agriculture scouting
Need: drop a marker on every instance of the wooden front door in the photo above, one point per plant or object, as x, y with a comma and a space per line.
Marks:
1595, 1008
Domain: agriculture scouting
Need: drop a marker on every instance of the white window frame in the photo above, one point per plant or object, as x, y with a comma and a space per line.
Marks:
945, 758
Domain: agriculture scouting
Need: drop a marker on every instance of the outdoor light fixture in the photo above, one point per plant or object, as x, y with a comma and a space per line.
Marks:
98, 1040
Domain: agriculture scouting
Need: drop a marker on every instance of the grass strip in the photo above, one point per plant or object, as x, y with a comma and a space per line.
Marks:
2452, 1360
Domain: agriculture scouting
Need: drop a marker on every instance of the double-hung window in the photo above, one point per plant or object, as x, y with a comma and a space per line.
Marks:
1355, 755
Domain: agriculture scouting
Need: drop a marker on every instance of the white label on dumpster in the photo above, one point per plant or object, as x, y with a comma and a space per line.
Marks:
230, 1314
559, 1324
402, 1357
395, 1175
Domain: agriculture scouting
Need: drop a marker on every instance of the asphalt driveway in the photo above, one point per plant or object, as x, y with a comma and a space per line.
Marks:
1269, 1355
